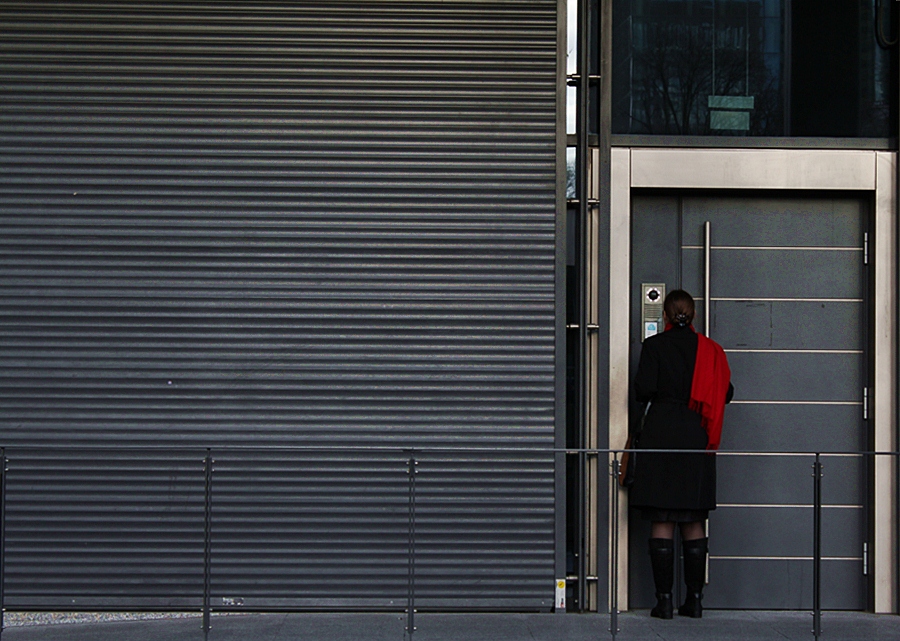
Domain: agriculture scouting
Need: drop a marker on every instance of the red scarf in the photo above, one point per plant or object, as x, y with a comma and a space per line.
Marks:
710, 387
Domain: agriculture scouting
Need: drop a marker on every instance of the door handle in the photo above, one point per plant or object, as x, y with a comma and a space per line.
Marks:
707, 229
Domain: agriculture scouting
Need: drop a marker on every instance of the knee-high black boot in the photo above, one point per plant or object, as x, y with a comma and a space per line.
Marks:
694, 576
662, 560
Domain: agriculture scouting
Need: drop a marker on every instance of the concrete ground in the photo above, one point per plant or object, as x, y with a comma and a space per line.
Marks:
633, 626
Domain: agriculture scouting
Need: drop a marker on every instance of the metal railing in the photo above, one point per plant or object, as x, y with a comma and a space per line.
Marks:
817, 474
21, 484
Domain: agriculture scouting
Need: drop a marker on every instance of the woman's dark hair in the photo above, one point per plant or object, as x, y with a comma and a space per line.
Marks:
679, 307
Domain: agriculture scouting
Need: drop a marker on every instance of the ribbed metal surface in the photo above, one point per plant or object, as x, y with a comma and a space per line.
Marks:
309, 529
307, 224
483, 528
344, 529
104, 529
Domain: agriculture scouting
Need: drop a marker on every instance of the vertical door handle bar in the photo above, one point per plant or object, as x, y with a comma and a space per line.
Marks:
706, 302
707, 235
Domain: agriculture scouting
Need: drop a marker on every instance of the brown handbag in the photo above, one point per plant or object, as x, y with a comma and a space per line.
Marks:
626, 467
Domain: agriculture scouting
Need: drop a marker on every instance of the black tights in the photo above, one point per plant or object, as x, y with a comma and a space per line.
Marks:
690, 531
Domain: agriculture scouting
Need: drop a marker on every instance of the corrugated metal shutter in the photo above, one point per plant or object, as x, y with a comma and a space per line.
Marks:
112, 529
282, 224
482, 533
306, 529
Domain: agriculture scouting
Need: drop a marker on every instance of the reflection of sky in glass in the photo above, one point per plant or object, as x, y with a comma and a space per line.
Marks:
571, 62
571, 101
572, 36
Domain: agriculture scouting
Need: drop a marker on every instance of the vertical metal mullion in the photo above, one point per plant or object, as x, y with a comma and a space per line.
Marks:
817, 547
614, 565
896, 391
3, 472
604, 50
582, 532
207, 543
582, 152
707, 304
411, 558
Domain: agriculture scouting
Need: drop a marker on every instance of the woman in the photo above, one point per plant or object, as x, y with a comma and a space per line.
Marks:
685, 378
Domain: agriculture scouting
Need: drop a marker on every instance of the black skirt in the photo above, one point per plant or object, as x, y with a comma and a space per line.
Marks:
670, 481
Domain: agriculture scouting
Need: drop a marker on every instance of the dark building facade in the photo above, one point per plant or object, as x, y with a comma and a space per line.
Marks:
746, 152
301, 309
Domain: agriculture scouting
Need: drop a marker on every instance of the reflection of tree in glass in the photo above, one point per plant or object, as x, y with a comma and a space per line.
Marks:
672, 74
673, 69
570, 179
734, 69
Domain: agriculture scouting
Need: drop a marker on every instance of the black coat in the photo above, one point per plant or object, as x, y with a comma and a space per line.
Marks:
664, 376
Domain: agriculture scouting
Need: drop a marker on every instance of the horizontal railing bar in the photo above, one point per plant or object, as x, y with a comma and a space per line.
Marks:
790, 505
399, 449
136, 609
727, 557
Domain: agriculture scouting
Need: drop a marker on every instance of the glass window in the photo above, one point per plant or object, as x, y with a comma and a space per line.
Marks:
571, 173
753, 67
572, 67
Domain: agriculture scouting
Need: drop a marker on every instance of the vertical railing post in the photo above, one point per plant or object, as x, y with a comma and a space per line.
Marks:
581, 550
3, 472
614, 553
207, 543
411, 560
817, 546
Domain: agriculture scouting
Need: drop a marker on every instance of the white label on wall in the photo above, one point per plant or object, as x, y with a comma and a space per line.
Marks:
560, 594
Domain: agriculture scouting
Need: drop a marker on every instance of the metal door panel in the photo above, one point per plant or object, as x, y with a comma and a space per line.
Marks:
783, 531
752, 273
842, 538
797, 427
793, 376
763, 479
783, 584
799, 367
843, 584
658, 230
841, 482
771, 584
832, 325
760, 480
805, 221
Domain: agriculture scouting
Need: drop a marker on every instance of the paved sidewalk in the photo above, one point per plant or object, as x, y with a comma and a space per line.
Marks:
636, 626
